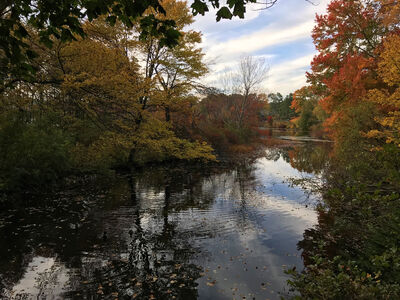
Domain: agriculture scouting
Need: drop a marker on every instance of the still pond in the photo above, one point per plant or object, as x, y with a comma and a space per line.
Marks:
220, 232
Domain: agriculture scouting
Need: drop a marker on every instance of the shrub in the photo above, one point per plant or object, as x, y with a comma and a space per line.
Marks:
32, 154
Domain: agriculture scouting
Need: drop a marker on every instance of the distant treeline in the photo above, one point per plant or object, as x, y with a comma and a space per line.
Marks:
279, 107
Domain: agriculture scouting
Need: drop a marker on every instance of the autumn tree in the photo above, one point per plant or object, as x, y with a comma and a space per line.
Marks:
306, 105
173, 71
348, 40
356, 76
92, 88
133, 124
245, 80
217, 120
232, 117
62, 20
389, 97
390, 12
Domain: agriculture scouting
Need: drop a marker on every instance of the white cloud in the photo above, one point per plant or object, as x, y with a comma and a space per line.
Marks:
287, 76
258, 40
289, 22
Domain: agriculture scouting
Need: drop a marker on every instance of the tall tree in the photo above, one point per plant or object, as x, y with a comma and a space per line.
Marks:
245, 81
174, 71
388, 97
94, 86
348, 39
62, 20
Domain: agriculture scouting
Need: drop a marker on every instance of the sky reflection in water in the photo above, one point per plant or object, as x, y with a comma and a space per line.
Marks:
164, 233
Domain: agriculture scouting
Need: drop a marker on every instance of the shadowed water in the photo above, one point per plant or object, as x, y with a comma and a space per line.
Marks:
225, 232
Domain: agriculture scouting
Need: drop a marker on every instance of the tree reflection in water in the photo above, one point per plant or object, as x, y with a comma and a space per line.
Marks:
156, 260
150, 234
304, 157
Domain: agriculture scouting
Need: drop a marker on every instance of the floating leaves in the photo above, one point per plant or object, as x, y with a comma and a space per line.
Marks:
211, 283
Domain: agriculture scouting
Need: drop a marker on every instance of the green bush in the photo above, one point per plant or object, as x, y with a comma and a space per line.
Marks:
32, 154
353, 253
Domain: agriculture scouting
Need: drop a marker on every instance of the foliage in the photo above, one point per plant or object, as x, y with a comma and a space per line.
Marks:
245, 80
124, 105
280, 107
348, 69
305, 103
32, 154
233, 7
63, 21
353, 251
219, 117
174, 72
229, 120
103, 102
389, 98
347, 39
156, 142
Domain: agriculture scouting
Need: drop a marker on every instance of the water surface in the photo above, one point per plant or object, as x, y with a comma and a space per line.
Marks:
225, 232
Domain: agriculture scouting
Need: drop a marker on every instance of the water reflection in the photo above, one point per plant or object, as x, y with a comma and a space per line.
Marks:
163, 233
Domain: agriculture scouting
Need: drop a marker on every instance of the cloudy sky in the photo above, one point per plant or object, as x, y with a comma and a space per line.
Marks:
281, 35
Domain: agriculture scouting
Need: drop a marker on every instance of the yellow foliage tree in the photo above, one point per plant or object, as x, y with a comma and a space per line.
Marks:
173, 71
104, 79
390, 11
95, 88
388, 98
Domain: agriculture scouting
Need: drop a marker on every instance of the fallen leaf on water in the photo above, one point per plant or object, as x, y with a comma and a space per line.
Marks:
212, 283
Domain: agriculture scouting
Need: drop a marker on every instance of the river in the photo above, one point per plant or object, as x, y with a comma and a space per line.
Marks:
218, 232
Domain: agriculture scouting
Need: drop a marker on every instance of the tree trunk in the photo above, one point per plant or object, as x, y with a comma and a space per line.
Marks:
167, 114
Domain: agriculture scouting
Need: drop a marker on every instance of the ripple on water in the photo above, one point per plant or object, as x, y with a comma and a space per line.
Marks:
232, 233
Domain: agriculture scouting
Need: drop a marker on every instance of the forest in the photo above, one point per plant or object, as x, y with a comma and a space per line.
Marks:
104, 89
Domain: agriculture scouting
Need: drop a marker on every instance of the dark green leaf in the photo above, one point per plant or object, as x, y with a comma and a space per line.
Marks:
224, 13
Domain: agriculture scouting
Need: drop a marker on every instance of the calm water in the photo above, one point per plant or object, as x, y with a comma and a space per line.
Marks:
164, 233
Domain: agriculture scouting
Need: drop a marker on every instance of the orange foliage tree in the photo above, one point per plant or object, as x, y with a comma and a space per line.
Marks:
218, 118
349, 40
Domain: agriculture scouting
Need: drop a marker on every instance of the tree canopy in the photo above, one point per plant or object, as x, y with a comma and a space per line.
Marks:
63, 20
